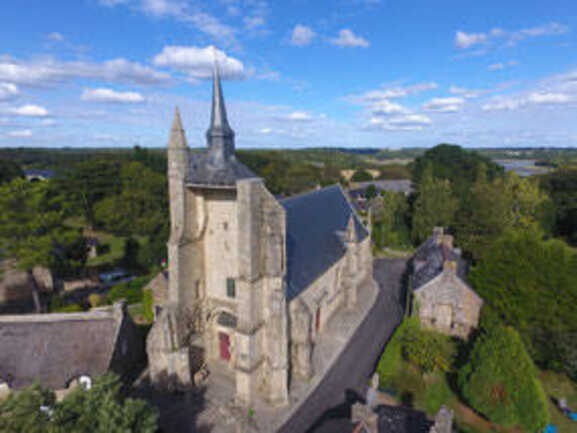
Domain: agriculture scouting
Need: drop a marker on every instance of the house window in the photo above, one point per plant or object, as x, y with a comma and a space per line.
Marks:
230, 288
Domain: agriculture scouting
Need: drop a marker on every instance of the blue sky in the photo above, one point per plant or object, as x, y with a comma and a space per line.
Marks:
354, 73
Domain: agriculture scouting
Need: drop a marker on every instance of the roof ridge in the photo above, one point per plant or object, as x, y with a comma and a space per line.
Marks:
311, 192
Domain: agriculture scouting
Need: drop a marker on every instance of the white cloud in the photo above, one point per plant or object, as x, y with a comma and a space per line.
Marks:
391, 92
386, 107
299, 116
549, 98
161, 8
110, 95
8, 91
55, 36
28, 110
411, 120
500, 103
465, 93
184, 11
466, 40
254, 22
407, 122
51, 72
22, 133
444, 105
302, 35
199, 62
347, 38
496, 67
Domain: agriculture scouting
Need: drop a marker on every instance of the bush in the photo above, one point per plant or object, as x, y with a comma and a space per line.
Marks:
95, 300
427, 349
148, 305
361, 176
130, 291
70, 308
436, 395
391, 359
500, 381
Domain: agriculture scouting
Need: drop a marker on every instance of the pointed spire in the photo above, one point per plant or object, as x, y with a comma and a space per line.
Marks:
177, 137
220, 136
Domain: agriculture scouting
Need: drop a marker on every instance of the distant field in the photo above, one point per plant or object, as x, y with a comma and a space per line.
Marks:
392, 161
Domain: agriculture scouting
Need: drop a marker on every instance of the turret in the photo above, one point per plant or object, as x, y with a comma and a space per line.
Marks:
219, 136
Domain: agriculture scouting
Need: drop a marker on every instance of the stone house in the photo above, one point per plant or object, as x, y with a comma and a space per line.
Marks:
441, 298
56, 350
16, 286
252, 281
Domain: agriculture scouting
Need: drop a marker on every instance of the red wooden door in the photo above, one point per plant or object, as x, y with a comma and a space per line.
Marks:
224, 340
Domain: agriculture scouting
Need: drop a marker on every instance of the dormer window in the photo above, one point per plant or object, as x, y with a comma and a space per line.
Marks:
230, 288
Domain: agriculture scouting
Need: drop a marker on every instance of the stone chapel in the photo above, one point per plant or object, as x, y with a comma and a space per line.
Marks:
252, 280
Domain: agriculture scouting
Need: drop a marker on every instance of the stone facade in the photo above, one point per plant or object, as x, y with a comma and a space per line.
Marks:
233, 301
444, 301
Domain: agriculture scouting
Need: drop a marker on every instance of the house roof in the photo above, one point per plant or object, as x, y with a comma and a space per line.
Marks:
396, 419
429, 259
315, 225
53, 349
202, 173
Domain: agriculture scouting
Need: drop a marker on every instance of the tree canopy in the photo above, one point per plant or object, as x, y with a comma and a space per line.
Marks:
9, 170
452, 162
101, 409
500, 381
33, 233
531, 285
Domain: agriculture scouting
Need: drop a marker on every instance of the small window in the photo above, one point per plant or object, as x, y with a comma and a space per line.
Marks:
230, 288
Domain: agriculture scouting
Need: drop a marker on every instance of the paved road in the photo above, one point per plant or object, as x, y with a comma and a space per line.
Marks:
329, 405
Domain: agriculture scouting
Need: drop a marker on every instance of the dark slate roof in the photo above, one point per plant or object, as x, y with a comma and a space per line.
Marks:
316, 223
394, 419
53, 352
429, 260
201, 173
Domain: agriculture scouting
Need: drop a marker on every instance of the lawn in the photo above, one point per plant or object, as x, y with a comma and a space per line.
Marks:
560, 386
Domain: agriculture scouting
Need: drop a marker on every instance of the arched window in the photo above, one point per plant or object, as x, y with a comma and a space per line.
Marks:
226, 319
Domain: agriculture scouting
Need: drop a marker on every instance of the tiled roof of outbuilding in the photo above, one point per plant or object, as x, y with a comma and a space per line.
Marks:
315, 224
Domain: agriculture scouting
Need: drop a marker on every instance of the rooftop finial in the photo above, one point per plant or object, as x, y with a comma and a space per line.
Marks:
220, 136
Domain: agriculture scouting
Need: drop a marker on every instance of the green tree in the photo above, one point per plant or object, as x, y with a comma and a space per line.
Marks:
361, 175
140, 207
427, 349
531, 285
500, 381
32, 231
9, 170
459, 166
390, 213
101, 409
27, 411
435, 205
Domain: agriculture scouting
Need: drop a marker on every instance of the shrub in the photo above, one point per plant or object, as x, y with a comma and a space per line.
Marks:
70, 308
361, 176
391, 359
500, 381
427, 349
148, 305
437, 394
95, 300
130, 291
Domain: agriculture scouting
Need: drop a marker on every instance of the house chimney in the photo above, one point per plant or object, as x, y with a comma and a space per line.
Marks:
438, 234
450, 266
